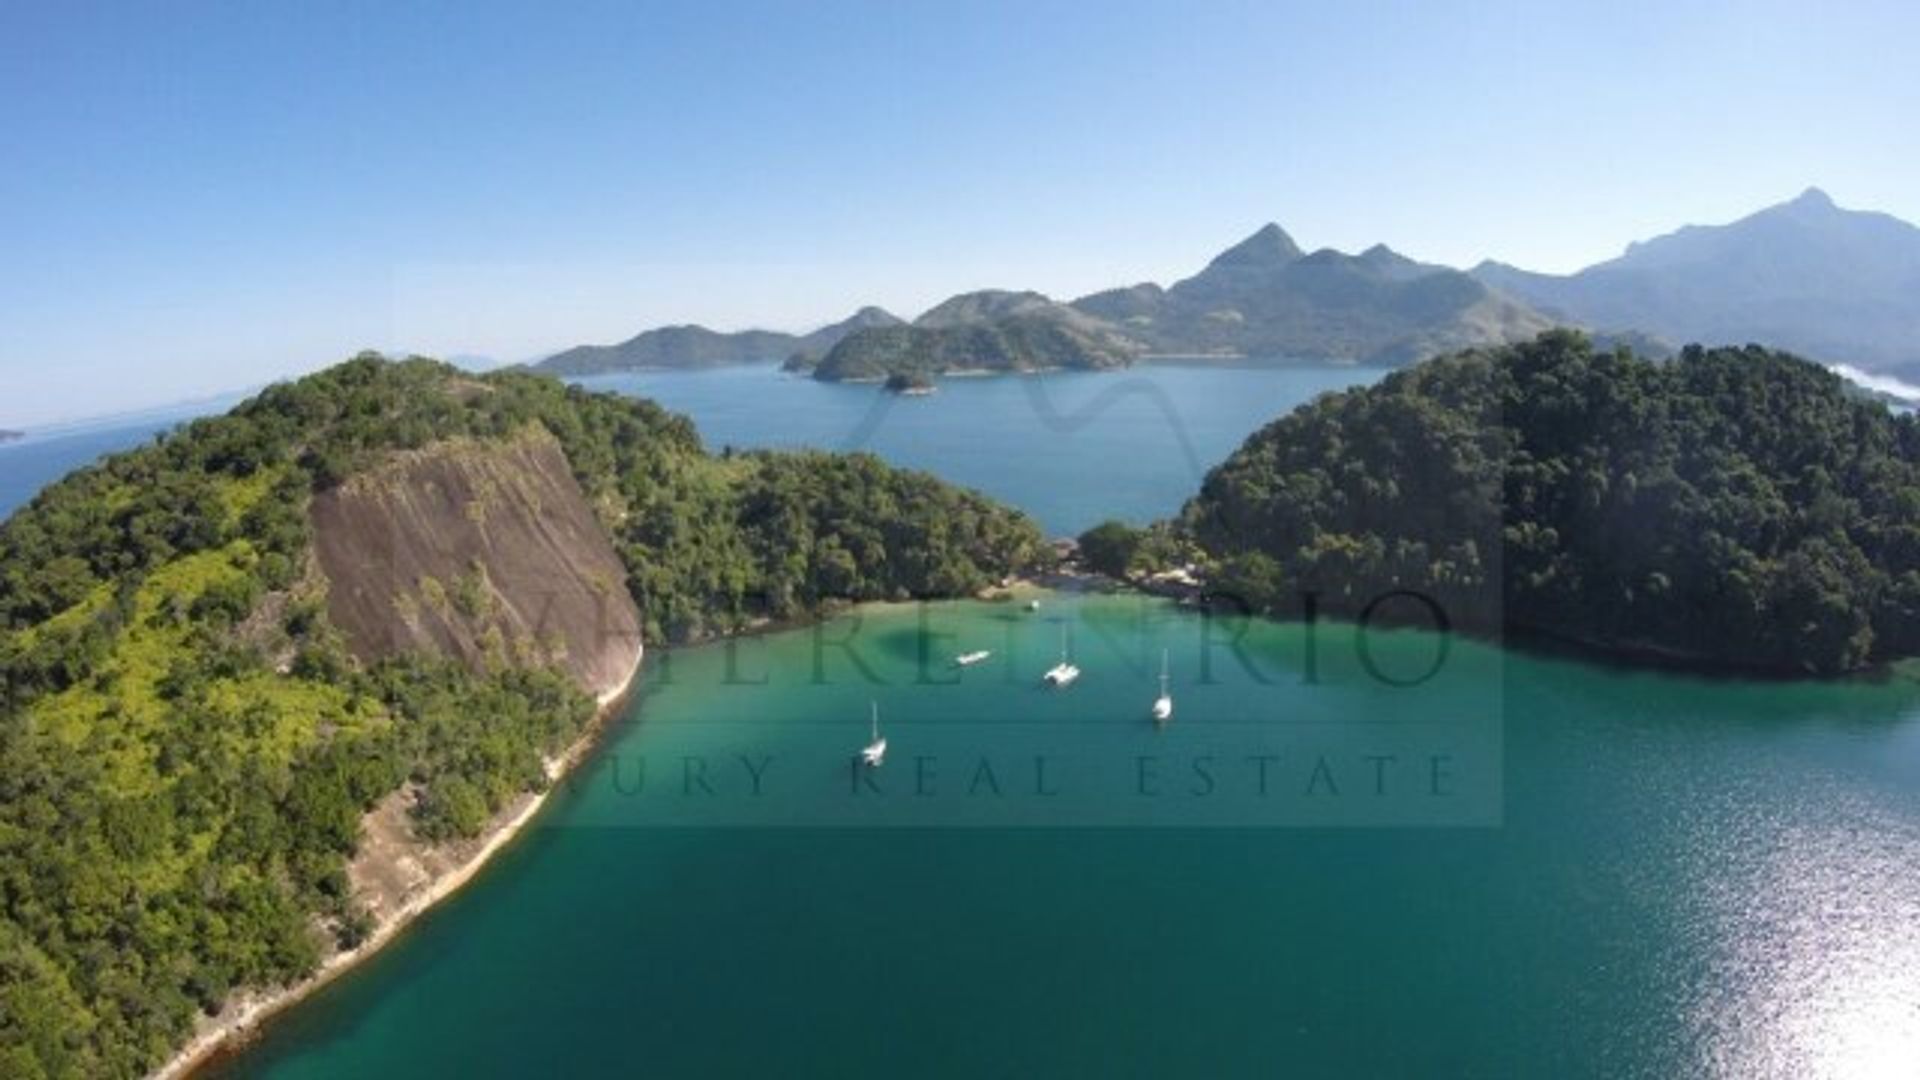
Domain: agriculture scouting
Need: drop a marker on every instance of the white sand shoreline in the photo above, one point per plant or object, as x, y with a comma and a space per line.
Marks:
244, 1014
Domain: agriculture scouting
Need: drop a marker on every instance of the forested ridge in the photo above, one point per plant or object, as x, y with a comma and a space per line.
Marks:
1035, 341
1732, 507
187, 747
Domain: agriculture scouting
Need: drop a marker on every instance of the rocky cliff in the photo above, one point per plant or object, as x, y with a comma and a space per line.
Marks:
485, 551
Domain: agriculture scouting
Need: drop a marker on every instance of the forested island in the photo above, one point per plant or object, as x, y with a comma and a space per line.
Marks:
975, 333
1731, 508
224, 651
690, 348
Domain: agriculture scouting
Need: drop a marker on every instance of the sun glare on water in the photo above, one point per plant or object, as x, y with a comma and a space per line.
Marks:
1819, 931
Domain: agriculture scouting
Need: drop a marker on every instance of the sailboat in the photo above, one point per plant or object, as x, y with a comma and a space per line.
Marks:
1062, 673
876, 751
1163, 705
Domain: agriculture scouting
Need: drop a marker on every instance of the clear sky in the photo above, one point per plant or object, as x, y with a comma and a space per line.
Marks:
196, 197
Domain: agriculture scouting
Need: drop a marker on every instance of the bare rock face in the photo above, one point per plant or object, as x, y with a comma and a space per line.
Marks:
482, 551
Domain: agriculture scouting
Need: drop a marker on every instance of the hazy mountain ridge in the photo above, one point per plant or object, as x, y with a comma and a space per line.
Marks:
1263, 296
1838, 285
693, 346
990, 330
1835, 284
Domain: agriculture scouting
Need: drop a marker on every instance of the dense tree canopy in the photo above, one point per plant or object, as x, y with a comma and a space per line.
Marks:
187, 748
1733, 507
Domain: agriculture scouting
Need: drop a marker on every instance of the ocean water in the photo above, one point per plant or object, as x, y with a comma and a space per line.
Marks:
1071, 448
47, 454
1351, 852
1517, 867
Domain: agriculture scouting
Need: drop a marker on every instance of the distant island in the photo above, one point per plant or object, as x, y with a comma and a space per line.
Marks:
694, 347
7, 436
325, 653
1838, 286
1731, 508
977, 333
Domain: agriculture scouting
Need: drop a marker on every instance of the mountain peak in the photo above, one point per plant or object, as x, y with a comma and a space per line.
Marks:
1271, 246
871, 315
1814, 199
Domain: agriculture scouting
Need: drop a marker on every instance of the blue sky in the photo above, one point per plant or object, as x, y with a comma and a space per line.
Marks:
202, 197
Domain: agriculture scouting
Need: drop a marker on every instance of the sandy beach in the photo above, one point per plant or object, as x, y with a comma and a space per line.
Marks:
247, 1010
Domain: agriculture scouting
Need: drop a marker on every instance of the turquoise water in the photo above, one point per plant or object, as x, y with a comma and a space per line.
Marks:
1519, 866
1619, 874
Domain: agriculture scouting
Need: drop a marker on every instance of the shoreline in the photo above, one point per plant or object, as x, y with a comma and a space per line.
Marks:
223, 1033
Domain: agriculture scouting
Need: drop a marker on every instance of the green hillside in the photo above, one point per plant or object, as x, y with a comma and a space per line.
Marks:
188, 745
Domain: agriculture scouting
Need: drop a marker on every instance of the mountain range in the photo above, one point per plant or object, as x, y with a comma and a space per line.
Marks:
1266, 297
1837, 285
698, 347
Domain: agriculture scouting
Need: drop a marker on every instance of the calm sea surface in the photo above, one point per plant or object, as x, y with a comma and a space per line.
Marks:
1071, 448
46, 455
1349, 854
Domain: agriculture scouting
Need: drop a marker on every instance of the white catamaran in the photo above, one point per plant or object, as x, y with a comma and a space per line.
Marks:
1163, 705
1062, 673
876, 751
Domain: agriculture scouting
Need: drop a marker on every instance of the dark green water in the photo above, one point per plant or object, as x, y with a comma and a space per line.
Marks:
1627, 874
1520, 866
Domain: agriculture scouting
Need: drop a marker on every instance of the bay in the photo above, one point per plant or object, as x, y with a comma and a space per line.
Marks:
1621, 874
1071, 448
1518, 865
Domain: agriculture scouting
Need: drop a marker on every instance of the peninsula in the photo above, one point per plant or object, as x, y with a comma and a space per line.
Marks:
284, 677
1729, 509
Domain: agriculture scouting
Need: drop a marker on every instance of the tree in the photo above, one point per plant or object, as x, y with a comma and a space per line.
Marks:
1109, 548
